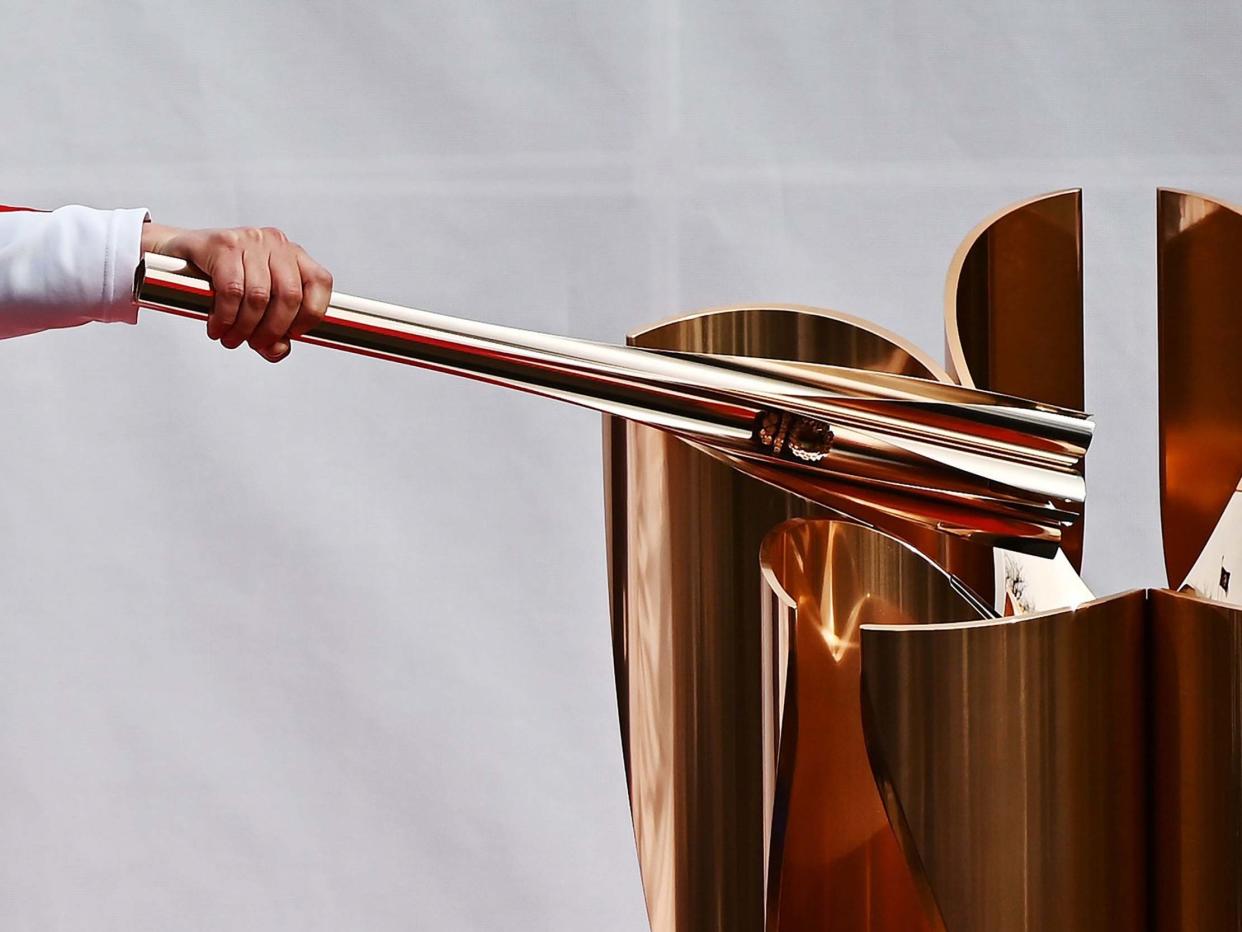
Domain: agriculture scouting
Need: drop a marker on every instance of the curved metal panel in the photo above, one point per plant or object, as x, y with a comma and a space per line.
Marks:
1013, 308
793, 333
839, 860
1013, 764
1200, 279
689, 646
1013, 302
1197, 763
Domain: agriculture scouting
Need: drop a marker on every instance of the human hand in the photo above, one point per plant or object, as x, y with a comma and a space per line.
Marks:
268, 290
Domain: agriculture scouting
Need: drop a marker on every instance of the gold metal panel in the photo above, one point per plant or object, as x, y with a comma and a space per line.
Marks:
688, 650
1012, 756
815, 740
1196, 663
840, 864
1013, 308
1013, 302
791, 332
1199, 242
685, 532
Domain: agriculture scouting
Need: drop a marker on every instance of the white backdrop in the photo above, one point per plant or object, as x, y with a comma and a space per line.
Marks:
324, 646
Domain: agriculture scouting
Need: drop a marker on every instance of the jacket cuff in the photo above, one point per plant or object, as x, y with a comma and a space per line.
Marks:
124, 251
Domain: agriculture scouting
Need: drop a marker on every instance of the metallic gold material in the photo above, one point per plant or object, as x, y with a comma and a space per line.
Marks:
825, 726
700, 684
837, 857
1199, 241
1013, 323
1012, 756
1196, 645
1013, 302
1077, 769
1082, 769
960, 461
1196, 753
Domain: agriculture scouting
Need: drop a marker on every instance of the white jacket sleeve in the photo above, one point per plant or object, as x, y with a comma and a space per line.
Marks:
67, 267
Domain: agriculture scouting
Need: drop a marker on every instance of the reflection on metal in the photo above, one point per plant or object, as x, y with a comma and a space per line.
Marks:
825, 727
837, 855
1012, 756
1196, 656
1013, 302
1199, 242
1196, 645
698, 689
1013, 317
969, 463
1073, 770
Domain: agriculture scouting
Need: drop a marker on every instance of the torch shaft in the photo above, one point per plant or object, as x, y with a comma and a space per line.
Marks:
992, 454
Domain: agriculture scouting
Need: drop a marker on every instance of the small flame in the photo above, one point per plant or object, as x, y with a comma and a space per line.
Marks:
793, 436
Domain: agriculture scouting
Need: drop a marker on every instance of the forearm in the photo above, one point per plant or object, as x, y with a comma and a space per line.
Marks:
76, 265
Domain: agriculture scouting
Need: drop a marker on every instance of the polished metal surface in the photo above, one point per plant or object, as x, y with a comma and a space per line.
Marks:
838, 862
826, 725
1013, 302
689, 652
961, 461
1199, 241
1013, 760
1196, 644
699, 681
1014, 324
1196, 663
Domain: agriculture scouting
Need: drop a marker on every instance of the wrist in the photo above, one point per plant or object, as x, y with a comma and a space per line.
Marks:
156, 237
